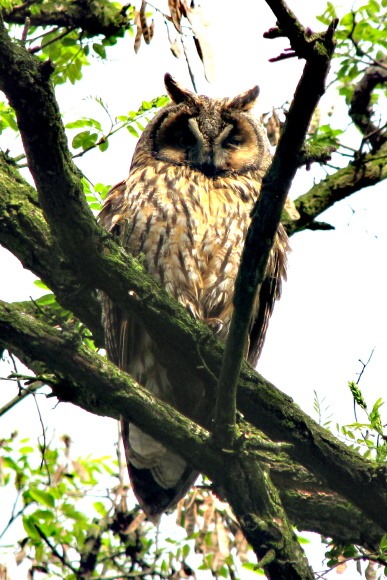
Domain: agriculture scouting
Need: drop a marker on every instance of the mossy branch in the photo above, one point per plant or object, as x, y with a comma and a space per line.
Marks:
267, 212
97, 384
95, 17
365, 171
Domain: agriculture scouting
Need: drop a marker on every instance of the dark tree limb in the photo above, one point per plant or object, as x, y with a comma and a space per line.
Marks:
369, 169
24, 231
361, 109
266, 215
94, 17
102, 386
310, 504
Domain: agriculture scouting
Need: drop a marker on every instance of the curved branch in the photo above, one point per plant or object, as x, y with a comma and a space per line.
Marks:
310, 504
103, 387
365, 171
361, 109
266, 214
94, 17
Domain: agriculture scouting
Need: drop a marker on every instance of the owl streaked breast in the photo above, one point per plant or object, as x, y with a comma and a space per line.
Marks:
185, 210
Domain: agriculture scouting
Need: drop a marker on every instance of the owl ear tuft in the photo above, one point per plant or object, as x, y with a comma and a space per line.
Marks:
177, 93
245, 101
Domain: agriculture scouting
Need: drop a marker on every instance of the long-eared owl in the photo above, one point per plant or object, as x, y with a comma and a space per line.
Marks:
185, 209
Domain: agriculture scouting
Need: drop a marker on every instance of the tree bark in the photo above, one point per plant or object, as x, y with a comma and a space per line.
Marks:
94, 17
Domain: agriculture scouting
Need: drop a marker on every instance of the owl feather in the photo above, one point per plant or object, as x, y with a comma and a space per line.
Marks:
185, 209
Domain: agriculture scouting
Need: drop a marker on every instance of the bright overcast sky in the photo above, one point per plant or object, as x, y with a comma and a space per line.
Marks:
332, 312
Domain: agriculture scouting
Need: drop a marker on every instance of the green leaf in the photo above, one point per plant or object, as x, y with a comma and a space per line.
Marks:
100, 508
186, 551
42, 497
30, 528
253, 568
41, 284
26, 449
9, 462
99, 49
44, 515
46, 300
132, 131
70, 512
357, 395
84, 122
84, 140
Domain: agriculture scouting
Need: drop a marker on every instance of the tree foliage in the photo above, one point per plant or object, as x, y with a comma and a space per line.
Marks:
279, 468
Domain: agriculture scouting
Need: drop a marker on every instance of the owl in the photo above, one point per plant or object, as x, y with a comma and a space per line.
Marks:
184, 211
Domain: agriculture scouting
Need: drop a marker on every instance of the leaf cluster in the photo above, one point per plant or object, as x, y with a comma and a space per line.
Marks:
96, 133
362, 41
368, 437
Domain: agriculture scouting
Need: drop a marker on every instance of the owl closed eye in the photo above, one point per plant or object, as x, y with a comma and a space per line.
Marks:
216, 137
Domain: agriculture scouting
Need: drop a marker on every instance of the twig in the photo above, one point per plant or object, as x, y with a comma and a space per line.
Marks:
25, 392
22, 6
14, 516
190, 71
51, 41
55, 552
13, 360
364, 366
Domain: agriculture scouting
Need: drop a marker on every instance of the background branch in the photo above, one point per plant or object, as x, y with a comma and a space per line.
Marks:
361, 109
365, 171
92, 16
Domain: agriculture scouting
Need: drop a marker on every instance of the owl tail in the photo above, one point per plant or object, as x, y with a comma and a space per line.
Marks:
159, 477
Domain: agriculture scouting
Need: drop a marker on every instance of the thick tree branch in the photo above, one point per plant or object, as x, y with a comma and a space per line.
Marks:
104, 387
361, 109
309, 503
367, 170
92, 16
24, 231
267, 212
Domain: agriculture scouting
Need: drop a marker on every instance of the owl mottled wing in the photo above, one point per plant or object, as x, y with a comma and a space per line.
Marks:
269, 292
123, 343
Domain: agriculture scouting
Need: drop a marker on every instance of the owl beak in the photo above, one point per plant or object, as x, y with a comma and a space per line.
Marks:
208, 166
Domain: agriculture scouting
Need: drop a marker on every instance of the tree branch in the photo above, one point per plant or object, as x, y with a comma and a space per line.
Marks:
367, 170
309, 503
103, 387
361, 109
94, 17
267, 212
24, 231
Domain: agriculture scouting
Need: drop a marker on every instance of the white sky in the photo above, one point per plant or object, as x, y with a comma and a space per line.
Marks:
332, 312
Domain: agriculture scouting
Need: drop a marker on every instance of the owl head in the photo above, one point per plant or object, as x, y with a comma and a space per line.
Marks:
217, 137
